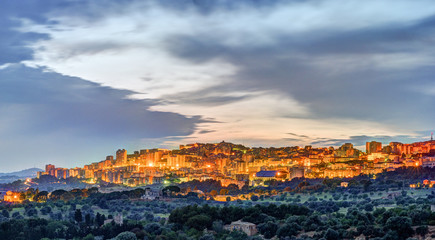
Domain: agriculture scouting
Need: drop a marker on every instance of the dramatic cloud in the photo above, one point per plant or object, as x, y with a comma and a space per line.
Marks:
37, 104
366, 74
259, 72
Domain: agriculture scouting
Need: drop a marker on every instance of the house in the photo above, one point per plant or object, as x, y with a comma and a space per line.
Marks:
12, 197
150, 194
249, 228
118, 219
392, 195
344, 184
429, 183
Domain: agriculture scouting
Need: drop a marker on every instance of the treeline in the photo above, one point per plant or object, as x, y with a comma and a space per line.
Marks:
203, 217
60, 194
306, 222
399, 178
38, 228
408, 173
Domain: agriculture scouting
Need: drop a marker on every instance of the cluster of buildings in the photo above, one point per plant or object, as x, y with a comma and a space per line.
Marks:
236, 164
10, 196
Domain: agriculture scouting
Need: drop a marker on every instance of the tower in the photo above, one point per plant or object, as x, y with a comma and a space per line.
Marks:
373, 147
121, 156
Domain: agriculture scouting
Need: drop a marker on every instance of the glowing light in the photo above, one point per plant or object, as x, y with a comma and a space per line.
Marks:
150, 164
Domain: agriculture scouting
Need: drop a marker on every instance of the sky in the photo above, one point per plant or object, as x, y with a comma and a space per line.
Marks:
80, 79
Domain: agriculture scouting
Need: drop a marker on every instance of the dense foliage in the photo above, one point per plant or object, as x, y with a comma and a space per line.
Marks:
381, 208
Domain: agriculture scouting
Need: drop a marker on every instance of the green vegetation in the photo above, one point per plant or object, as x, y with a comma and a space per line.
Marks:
381, 208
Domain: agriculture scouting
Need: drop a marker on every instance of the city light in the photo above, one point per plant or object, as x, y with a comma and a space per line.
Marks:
237, 164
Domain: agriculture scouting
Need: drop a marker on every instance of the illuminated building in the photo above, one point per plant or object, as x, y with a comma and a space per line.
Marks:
428, 162
263, 176
346, 151
377, 155
176, 161
121, 156
49, 167
233, 163
296, 172
12, 197
344, 184
373, 147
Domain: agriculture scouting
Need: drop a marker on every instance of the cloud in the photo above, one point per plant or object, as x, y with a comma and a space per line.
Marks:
56, 101
364, 73
205, 131
35, 104
292, 139
298, 135
258, 69
384, 139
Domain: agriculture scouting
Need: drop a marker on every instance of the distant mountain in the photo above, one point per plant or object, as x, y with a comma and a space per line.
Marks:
31, 172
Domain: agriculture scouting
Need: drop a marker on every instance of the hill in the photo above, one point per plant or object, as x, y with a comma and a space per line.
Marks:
31, 172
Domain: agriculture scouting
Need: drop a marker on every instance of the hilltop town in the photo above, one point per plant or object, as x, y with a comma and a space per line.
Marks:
229, 191
236, 164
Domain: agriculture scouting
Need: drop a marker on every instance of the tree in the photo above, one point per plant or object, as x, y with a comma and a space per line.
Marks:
153, 228
289, 230
213, 193
56, 229
331, 234
218, 226
126, 236
368, 207
31, 212
254, 198
16, 215
207, 237
237, 235
88, 219
400, 225
22, 196
45, 210
199, 222
5, 213
223, 191
55, 195
268, 229
41, 196
78, 216
89, 237
67, 197
422, 230
99, 219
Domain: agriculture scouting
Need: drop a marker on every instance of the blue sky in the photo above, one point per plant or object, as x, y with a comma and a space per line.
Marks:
80, 79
